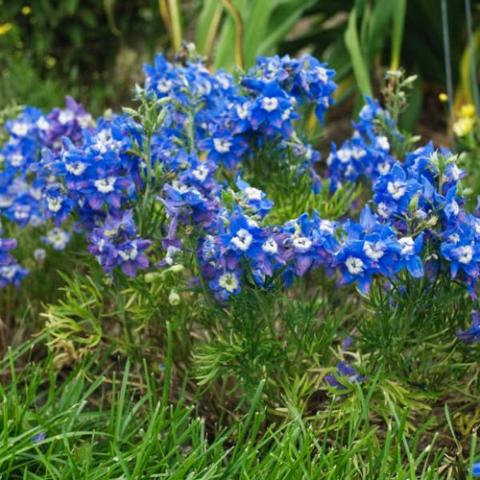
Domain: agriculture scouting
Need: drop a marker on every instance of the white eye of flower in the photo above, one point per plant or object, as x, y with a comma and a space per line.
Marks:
269, 104
383, 143
8, 271
454, 238
344, 155
43, 124
382, 210
453, 208
57, 238
223, 81
464, 254
302, 244
39, 255
375, 251
397, 189
384, 168
270, 246
455, 172
16, 159
358, 153
253, 193
221, 146
130, 254
54, 204
85, 120
354, 265
164, 85
229, 282
327, 226
407, 245
350, 170
5, 201
104, 141
76, 168
321, 74
66, 116
36, 193
201, 173
242, 240
22, 212
242, 111
286, 114
20, 129
105, 185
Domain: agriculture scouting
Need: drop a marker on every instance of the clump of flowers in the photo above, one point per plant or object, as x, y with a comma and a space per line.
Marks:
178, 176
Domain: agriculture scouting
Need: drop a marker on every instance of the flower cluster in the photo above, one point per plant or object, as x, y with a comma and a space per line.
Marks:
10, 271
197, 165
116, 244
229, 121
368, 153
22, 185
95, 177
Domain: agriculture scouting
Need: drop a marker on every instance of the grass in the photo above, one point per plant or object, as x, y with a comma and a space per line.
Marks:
97, 423
112, 415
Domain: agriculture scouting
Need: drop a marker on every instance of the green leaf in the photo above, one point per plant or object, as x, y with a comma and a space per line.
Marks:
397, 35
359, 64
207, 25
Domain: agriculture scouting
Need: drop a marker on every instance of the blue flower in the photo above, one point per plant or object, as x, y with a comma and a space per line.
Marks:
345, 373
254, 199
410, 250
460, 248
116, 244
224, 149
272, 111
394, 191
57, 238
225, 284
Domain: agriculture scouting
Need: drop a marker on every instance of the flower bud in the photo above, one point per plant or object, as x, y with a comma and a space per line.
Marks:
174, 298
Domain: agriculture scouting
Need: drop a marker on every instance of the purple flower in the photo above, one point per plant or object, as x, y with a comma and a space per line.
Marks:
472, 334
344, 373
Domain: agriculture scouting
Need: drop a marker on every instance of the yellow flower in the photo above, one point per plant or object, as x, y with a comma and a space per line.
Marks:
463, 126
467, 110
443, 97
5, 28
26, 10
50, 61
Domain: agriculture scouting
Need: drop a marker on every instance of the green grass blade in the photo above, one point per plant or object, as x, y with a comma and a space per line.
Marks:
358, 61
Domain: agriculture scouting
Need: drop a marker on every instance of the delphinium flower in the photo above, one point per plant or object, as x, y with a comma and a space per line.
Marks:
57, 238
68, 122
253, 198
476, 469
224, 148
116, 244
344, 373
310, 242
306, 79
367, 248
10, 271
368, 153
272, 111
394, 191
